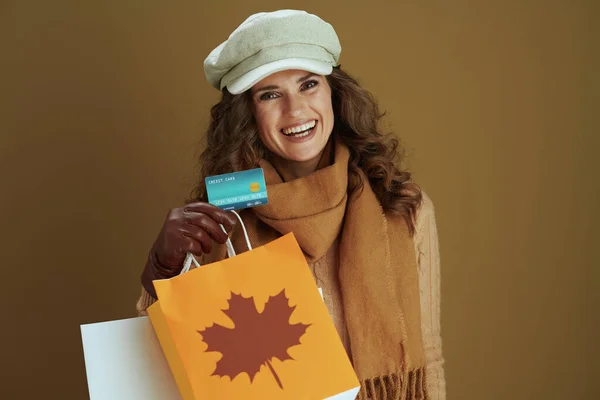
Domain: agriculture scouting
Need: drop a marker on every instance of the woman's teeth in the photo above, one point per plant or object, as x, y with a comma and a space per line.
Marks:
300, 131
306, 133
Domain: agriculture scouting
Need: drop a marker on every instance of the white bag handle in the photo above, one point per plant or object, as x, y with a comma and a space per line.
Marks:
189, 259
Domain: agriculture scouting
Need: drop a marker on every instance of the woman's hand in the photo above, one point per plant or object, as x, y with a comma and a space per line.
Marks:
191, 228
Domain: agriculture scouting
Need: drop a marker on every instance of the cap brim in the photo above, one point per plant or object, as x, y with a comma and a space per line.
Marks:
251, 78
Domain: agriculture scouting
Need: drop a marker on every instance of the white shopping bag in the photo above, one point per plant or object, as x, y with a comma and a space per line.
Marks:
124, 360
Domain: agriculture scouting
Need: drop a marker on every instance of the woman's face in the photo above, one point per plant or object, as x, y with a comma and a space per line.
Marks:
294, 114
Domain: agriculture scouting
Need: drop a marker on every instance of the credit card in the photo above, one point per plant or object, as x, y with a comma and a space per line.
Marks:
237, 190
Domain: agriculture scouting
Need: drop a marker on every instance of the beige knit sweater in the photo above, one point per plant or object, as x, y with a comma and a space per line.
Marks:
428, 261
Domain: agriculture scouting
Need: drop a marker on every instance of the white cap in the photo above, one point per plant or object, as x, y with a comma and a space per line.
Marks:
266, 43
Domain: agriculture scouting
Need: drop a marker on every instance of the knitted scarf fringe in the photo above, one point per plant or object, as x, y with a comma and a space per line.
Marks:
412, 385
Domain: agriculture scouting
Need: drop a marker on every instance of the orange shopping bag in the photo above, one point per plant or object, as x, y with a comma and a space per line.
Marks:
253, 326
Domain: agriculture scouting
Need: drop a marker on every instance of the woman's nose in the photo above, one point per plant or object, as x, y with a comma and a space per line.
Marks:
294, 105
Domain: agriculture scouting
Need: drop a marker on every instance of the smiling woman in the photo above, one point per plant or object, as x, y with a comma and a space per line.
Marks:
367, 231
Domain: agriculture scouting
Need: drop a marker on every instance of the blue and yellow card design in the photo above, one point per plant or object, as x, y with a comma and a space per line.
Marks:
237, 190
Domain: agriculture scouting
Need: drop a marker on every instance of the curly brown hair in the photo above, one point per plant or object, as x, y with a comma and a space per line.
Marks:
233, 144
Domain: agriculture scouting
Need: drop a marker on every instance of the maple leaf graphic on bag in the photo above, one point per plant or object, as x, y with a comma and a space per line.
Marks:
256, 338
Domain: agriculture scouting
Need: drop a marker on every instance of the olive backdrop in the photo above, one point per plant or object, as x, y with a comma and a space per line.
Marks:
102, 109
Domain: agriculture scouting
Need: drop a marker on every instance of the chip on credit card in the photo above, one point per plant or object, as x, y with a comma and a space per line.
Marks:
237, 190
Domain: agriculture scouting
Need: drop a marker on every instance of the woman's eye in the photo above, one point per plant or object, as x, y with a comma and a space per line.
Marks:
268, 96
309, 84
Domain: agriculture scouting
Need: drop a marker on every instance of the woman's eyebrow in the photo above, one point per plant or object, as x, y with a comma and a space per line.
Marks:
270, 87
273, 87
305, 77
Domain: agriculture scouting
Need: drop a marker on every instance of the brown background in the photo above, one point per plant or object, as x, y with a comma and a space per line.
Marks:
102, 108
